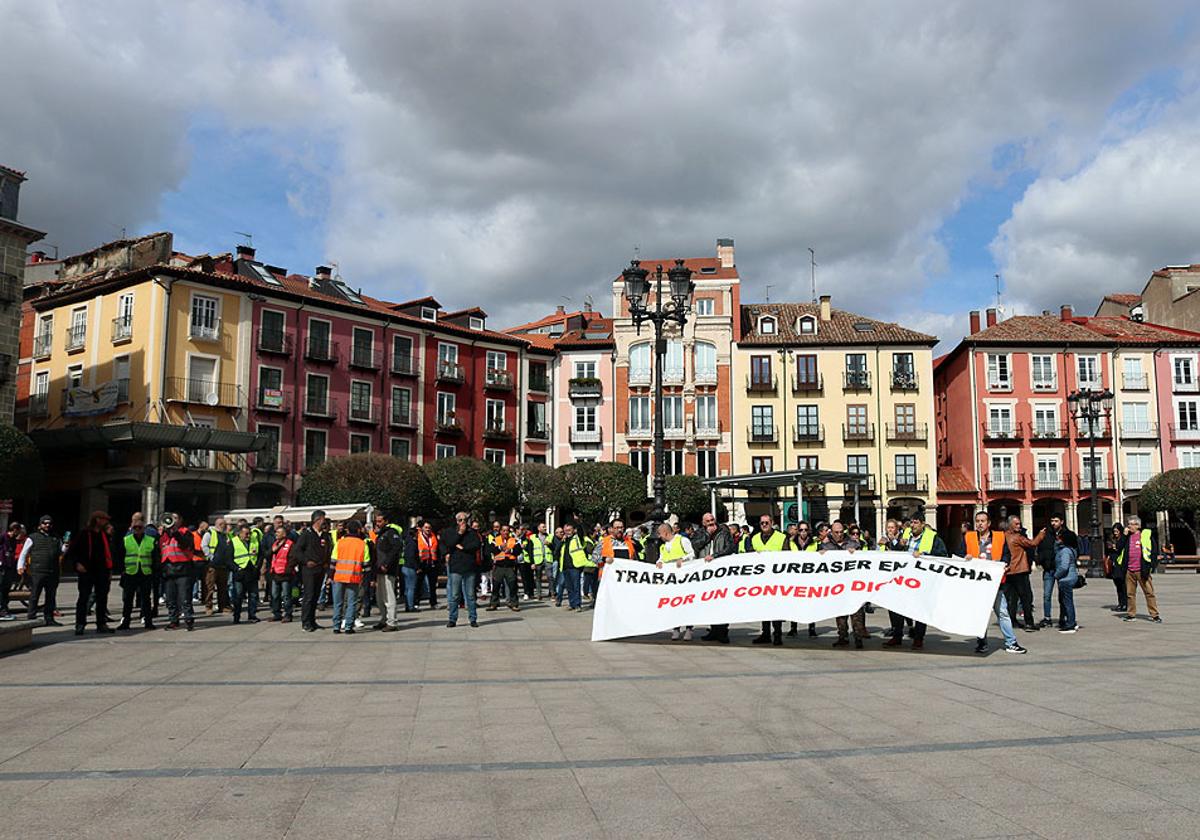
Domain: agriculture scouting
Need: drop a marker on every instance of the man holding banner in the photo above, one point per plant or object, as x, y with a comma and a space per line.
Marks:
985, 544
839, 541
769, 539
923, 541
714, 541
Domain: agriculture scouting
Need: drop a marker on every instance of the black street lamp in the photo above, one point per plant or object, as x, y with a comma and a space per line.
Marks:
1088, 406
637, 293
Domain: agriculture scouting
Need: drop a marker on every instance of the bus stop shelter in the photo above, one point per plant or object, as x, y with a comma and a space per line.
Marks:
727, 488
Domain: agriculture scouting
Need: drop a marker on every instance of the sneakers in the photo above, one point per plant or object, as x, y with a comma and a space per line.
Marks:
674, 635
358, 624
1067, 629
981, 647
448, 624
1129, 618
687, 635
1014, 649
1045, 622
1157, 619
474, 623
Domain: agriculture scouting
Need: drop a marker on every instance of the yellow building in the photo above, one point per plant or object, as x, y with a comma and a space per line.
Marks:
821, 388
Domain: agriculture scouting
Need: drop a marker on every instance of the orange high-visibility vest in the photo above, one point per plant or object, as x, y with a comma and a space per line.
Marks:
427, 548
972, 541
348, 560
606, 547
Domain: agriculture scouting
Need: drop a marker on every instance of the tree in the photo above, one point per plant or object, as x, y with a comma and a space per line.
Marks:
21, 472
479, 487
539, 486
1174, 491
597, 489
686, 496
399, 488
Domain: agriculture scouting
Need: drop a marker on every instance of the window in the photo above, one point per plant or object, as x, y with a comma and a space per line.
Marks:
673, 461
760, 372
77, 332
640, 460
639, 364
317, 394
762, 423
856, 370
200, 459
1045, 421
428, 313
401, 406
706, 362
904, 371
706, 414
1046, 474
859, 464
1189, 458
494, 415
75, 376
673, 362
206, 320
762, 464
270, 387
585, 459
856, 421
808, 422
1000, 421
496, 360
706, 463
268, 457
1085, 471
585, 418
999, 372
363, 348
1088, 370
448, 354
360, 401
202, 380
123, 323
270, 332
673, 414
476, 323
1042, 371
121, 378
807, 462
538, 377
401, 448
1132, 376
1137, 468
806, 325
766, 325
1187, 412
806, 371
446, 404
906, 472
360, 443
314, 448
906, 419
585, 370
495, 456
402, 354
318, 339
639, 415
705, 306
1135, 418
1003, 473
41, 383
1184, 371
444, 450
44, 339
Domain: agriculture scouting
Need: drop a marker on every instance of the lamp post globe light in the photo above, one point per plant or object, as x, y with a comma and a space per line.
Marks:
1087, 407
674, 311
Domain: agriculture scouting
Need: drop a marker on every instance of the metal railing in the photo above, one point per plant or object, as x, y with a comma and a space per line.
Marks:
537, 432
585, 435
43, 343
856, 380
447, 425
1132, 481
808, 434
320, 408
1139, 431
362, 413
321, 351
1043, 386
904, 380
277, 400
402, 418
1183, 433
276, 342
541, 384
584, 387
271, 462
758, 385
497, 379
210, 331
998, 384
1135, 381
814, 384
1048, 431
1006, 482
762, 434
865, 432
908, 484
122, 328
365, 358
498, 431
1002, 431
76, 337
203, 392
1050, 482
1189, 387
39, 405
450, 372
916, 432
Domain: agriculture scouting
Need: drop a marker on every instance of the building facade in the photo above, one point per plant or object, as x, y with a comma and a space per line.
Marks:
1170, 298
822, 388
14, 239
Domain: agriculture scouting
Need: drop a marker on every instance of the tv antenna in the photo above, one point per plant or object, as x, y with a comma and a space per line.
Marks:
999, 306
812, 259
769, 292
249, 237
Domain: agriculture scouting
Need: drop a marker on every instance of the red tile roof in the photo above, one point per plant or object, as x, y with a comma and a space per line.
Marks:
1103, 330
841, 328
1124, 299
552, 319
954, 480
16, 173
703, 268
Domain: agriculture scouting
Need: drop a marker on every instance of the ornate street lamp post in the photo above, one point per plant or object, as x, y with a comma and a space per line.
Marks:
1088, 406
637, 293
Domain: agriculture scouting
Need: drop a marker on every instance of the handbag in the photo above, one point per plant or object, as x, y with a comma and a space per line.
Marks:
1080, 582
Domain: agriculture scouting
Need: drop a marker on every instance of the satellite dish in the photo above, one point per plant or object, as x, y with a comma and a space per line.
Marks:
212, 398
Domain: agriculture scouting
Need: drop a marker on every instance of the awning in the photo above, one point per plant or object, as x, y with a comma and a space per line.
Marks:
142, 435
302, 515
785, 478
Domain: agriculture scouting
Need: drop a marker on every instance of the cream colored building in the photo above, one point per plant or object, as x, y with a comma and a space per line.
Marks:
820, 388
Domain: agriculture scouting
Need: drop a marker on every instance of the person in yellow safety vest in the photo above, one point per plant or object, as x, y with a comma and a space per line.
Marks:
893, 540
505, 548
675, 548
589, 582
768, 539
541, 558
1137, 553
257, 540
573, 558
139, 565
349, 557
244, 579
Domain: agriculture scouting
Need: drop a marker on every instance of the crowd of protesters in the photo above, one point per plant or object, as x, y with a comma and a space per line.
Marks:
170, 568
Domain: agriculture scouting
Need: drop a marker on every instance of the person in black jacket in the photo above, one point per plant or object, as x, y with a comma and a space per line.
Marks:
90, 553
1046, 558
387, 553
713, 541
312, 556
459, 546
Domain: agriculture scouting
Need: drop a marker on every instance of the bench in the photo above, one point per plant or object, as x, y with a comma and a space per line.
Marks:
15, 635
1181, 563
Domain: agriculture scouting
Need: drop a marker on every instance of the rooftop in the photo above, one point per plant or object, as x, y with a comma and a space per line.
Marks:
841, 328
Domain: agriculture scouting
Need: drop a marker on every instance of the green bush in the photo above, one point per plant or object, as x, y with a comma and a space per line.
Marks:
479, 487
398, 488
686, 497
21, 471
1174, 490
539, 486
597, 489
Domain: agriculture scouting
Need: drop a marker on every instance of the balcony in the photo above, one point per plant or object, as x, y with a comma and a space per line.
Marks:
866, 488
206, 460
1082, 430
761, 385
904, 380
122, 329
705, 377
497, 431
270, 463
1134, 481
540, 383
1103, 481
673, 376
325, 352
205, 329
762, 435
1139, 431
640, 377
586, 436
273, 342
584, 387
674, 432
707, 430
364, 413
320, 407
856, 380
42, 345
1045, 385
537, 432
76, 337
1005, 483
122, 390
403, 364
1002, 432
496, 379
450, 372
1042, 431
1086, 385
864, 433
908, 484
1188, 386
1183, 432
447, 425
1135, 381
813, 383
275, 400
39, 405
1050, 482
203, 392
917, 433
995, 383
808, 434
640, 431
363, 357
402, 417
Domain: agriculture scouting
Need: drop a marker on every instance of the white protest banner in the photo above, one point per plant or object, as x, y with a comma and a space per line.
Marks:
951, 594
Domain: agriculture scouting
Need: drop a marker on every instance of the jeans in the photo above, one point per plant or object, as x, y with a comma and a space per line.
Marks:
409, 575
591, 582
244, 588
429, 577
572, 577
1047, 591
45, 585
345, 604
386, 600
311, 580
88, 585
461, 586
1006, 627
560, 584
281, 597
1066, 572
179, 599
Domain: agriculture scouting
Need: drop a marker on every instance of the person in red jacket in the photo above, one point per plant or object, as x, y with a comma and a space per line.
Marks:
90, 553
281, 574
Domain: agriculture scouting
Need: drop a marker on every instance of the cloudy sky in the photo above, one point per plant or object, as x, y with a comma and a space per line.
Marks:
514, 155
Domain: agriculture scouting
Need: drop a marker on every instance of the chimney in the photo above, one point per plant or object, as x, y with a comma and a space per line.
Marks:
826, 312
991, 317
560, 310
245, 252
37, 257
587, 306
974, 321
725, 253
323, 272
1065, 313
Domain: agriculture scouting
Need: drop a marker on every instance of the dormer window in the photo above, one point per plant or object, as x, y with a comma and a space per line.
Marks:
766, 325
476, 323
806, 325
428, 313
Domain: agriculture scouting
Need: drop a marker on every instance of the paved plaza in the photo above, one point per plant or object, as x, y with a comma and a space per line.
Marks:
522, 728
